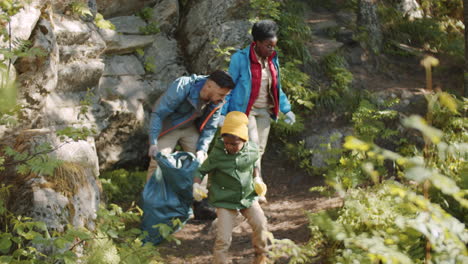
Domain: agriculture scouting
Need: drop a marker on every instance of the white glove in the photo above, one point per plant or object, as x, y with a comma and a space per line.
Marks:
201, 156
290, 118
199, 192
259, 186
221, 120
153, 150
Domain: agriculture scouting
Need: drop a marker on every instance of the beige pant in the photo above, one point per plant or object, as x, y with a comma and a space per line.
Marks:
186, 137
259, 128
226, 222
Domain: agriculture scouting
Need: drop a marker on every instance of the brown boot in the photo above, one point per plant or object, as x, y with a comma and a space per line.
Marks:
260, 259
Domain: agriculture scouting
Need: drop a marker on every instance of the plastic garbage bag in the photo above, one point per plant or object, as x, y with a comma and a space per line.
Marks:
168, 194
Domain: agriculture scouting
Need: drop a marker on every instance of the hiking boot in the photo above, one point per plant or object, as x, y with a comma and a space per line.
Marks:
203, 211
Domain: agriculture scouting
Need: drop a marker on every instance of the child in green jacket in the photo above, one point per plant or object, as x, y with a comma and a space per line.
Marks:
233, 187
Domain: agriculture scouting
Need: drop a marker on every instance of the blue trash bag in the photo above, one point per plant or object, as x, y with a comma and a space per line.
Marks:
177, 169
168, 194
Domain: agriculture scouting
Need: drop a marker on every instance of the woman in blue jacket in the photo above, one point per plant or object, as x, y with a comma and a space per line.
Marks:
257, 93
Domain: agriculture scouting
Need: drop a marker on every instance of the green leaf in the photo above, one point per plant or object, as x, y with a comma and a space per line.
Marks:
61, 243
5, 242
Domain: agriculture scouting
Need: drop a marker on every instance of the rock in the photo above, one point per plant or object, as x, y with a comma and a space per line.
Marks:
71, 195
69, 31
321, 47
166, 15
227, 23
321, 142
80, 75
113, 8
128, 24
23, 23
411, 9
119, 44
123, 65
92, 48
166, 58
34, 89
131, 88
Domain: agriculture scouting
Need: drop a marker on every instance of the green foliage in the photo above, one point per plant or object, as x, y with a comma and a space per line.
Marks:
80, 8
371, 120
150, 28
102, 23
224, 53
294, 33
149, 66
265, 9
114, 240
35, 161
146, 13
121, 186
440, 31
295, 84
338, 95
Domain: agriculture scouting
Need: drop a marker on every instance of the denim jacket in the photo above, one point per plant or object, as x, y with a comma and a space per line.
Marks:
239, 69
179, 105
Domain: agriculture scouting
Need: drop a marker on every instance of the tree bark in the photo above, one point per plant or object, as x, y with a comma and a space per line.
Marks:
465, 72
369, 21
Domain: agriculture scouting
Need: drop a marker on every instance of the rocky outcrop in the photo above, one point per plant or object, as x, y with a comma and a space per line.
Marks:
70, 194
105, 80
225, 26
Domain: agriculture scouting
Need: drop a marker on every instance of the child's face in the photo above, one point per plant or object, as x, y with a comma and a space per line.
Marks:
233, 144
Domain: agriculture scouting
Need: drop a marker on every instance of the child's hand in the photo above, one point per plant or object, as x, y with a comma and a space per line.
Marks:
259, 186
199, 192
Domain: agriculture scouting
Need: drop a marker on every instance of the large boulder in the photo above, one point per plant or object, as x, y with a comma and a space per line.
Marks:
23, 23
166, 15
223, 23
70, 195
113, 8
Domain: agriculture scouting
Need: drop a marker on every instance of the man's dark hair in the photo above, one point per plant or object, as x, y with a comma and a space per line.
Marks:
264, 29
222, 79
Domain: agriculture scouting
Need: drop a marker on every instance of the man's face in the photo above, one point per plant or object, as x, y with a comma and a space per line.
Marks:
213, 93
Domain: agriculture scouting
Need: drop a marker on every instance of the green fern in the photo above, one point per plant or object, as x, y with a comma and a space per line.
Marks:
80, 8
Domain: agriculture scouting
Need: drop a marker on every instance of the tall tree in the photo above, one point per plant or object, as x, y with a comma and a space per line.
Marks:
465, 19
369, 21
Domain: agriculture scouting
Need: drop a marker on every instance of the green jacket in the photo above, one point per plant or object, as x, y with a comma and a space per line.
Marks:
230, 180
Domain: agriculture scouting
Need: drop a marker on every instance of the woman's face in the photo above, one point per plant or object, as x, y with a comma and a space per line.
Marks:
265, 47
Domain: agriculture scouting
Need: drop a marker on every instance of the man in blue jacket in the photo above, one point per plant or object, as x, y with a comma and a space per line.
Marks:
188, 114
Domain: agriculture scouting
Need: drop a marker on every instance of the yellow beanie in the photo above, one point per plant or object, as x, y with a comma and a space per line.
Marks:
235, 124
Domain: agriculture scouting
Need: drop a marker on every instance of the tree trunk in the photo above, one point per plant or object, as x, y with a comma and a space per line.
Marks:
465, 72
369, 21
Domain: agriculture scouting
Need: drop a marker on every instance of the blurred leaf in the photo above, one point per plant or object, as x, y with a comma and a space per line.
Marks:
420, 124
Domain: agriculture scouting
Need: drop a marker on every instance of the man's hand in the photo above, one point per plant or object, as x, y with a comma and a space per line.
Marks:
152, 151
201, 156
199, 192
259, 186
290, 118
221, 120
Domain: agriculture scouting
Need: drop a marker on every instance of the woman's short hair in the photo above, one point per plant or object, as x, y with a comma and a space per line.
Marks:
264, 29
222, 78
